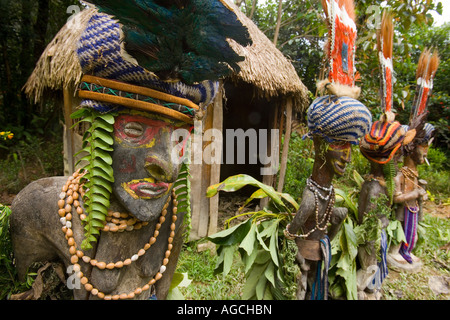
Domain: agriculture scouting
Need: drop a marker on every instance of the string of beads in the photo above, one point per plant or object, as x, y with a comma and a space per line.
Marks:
323, 223
69, 198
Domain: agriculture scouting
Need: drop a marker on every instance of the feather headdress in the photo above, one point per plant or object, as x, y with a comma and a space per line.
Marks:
340, 48
386, 135
339, 116
179, 40
426, 70
385, 39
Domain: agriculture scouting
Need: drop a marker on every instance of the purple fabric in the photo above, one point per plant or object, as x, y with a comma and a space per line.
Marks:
410, 229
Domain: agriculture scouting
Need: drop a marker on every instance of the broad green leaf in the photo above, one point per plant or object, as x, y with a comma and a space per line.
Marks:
105, 156
248, 242
101, 172
270, 273
79, 113
261, 287
228, 257
231, 235
262, 257
235, 183
274, 247
250, 259
100, 198
261, 239
99, 124
102, 182
255, 273
180, 279
348, 201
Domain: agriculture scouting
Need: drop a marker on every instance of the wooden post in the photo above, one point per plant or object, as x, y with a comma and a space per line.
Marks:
215, 168
68, 132
205, 210
269, 179
287, 138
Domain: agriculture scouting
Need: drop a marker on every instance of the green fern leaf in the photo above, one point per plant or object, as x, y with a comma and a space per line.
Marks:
182, 189
389, 175
97, 143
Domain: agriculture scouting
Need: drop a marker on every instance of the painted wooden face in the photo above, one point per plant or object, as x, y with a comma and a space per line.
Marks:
143, 163
420, 153
338, 155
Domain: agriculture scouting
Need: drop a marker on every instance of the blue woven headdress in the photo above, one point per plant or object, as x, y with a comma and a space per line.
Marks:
429, 133
99, 52
338, 119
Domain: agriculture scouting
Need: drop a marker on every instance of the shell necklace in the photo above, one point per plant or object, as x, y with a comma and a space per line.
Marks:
69, 196
330, 197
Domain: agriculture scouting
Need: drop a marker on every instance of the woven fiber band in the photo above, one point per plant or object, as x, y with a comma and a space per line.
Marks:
136, 97
383, 141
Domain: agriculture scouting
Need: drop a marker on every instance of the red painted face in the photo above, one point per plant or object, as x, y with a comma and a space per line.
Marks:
142, 159
139, 131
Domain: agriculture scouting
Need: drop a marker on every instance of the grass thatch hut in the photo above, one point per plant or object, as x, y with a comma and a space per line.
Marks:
263, 95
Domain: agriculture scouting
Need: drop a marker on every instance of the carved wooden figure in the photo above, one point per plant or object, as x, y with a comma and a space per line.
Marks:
380, 147
410, 191
152, 79
335, 121
141, 242
314, 215
410, 195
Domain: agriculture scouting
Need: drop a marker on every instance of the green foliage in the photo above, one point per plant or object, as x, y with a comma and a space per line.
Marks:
436, 174
98, 178
27, 27
28, 160
182, 189
342, 272
299, 165
9, 283
370, 228
267, 258
390, 171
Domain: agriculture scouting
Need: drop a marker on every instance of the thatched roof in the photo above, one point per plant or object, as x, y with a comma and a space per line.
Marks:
58, 66
265, 67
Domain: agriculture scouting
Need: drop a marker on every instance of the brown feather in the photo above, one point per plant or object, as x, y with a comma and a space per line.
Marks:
387, 34
433, 65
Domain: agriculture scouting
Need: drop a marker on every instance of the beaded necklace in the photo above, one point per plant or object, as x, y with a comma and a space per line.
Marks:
69, 196
330, 197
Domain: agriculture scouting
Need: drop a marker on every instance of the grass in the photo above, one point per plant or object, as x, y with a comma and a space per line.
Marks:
434, 234
205, 284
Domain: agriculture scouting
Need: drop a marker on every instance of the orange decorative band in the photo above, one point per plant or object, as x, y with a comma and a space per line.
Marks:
136, 97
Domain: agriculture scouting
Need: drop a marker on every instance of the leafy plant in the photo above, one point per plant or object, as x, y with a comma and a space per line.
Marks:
390, 171
9, 282
182, 189
266, 255
342, 272
98, 178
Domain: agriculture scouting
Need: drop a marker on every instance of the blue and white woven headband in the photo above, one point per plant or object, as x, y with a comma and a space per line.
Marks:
338, 119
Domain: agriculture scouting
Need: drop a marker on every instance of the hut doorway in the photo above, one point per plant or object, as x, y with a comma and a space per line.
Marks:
246, 126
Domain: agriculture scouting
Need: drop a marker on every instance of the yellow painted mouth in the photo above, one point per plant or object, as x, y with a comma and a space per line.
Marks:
146, 189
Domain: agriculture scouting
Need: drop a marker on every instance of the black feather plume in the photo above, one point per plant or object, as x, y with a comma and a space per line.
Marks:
182, 40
